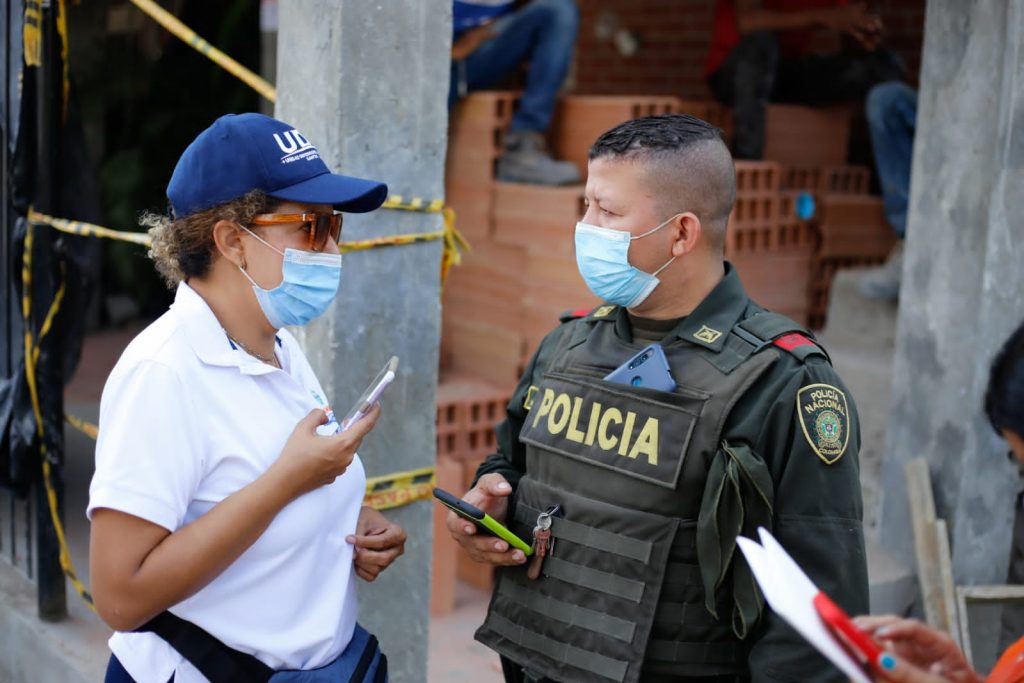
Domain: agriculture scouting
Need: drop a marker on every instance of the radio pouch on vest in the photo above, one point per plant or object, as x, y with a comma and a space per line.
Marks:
361, 662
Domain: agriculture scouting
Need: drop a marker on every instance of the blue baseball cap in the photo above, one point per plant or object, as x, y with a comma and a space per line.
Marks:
244, 152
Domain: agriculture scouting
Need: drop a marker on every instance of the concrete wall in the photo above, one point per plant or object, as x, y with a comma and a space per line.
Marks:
963, 285
367, 83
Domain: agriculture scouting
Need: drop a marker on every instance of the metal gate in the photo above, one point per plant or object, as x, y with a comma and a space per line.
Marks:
31, 108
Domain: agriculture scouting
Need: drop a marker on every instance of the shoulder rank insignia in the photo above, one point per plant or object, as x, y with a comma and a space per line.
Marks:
531, 393
707, 335
793, 340
603, 311
825, 419
574, 314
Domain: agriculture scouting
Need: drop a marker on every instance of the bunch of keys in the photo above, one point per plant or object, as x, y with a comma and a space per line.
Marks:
543, 544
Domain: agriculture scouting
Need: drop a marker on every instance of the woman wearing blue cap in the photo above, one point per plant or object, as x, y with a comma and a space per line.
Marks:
226, 507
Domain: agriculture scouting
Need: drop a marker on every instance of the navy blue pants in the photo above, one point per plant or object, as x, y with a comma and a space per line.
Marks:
117, 674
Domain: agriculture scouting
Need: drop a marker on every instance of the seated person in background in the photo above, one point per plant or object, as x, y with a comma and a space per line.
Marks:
922, 654
760, 53
892, 119
492, 39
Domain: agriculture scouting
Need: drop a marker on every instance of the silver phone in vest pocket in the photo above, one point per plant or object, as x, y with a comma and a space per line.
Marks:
648, 368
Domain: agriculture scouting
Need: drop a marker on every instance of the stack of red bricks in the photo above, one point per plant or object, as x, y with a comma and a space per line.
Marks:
849, 223
770, 248
787, 264
467, 411
483, 309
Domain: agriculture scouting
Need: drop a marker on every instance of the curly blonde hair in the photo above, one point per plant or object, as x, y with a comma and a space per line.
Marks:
184, 247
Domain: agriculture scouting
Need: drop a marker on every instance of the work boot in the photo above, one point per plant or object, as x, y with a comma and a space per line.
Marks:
883, 283
526, 160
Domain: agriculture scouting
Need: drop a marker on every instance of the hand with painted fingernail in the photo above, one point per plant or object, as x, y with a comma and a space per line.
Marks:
917, 653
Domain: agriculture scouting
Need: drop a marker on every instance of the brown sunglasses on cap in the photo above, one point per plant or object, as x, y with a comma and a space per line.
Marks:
321, 226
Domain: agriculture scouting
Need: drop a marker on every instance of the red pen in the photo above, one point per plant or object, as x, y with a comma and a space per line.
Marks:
856, 641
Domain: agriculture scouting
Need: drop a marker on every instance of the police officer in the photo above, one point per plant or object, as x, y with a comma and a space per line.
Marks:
634, 497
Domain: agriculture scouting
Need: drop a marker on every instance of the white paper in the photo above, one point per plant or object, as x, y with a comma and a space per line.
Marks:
790, 593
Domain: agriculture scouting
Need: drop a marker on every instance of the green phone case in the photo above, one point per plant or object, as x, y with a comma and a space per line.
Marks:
485, 520
499, 530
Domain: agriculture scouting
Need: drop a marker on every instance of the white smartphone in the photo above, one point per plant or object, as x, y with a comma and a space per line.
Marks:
372, 394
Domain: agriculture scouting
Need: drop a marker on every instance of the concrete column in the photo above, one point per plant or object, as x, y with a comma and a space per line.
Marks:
963, 285
367, 82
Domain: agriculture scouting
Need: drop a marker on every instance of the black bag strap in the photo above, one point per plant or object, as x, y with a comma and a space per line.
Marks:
366, 659
214, 659
223, 664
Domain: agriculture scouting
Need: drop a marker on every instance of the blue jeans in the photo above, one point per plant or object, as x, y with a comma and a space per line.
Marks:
543, 32
892, 117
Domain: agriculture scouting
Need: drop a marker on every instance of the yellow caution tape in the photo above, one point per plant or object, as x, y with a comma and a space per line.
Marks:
83, 229
62, 31
175, 26
32, 39
87, 428
399, 488
31, 358
454, 242
31, 33
397, 201
382, 493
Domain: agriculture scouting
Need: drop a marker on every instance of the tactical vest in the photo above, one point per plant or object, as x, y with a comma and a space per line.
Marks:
620, 592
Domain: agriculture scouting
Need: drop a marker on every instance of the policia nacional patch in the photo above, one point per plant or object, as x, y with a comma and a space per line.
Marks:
825, 418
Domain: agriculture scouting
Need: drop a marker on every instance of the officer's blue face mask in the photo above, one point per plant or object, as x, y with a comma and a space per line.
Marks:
602, 256
309, 286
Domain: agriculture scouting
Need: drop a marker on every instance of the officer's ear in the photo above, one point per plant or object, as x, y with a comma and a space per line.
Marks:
688, 231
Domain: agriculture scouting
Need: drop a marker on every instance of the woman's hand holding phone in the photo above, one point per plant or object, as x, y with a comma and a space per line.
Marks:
309, 461
490, 495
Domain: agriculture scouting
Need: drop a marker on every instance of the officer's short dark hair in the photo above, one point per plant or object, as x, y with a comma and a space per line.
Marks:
691, 167
1004, 398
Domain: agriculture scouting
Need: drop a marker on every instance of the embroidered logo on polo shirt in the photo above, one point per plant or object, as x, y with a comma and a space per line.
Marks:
707, 335
824, 417
331, 426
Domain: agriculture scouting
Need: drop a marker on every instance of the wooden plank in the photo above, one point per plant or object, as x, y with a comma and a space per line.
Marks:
989, 594
981, 594
931, 549
963, 632
944, 566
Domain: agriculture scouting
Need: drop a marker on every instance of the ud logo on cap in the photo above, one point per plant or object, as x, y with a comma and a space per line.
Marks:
295, 147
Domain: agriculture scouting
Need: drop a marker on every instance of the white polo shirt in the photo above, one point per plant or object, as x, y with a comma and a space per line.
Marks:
185, 421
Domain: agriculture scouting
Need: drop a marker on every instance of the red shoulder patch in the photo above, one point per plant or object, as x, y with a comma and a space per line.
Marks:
792, 341
574, 314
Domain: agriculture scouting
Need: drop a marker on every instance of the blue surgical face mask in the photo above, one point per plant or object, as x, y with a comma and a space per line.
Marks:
602, 256
309, 286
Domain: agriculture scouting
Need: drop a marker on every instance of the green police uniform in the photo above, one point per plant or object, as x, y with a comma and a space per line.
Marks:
642, 582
